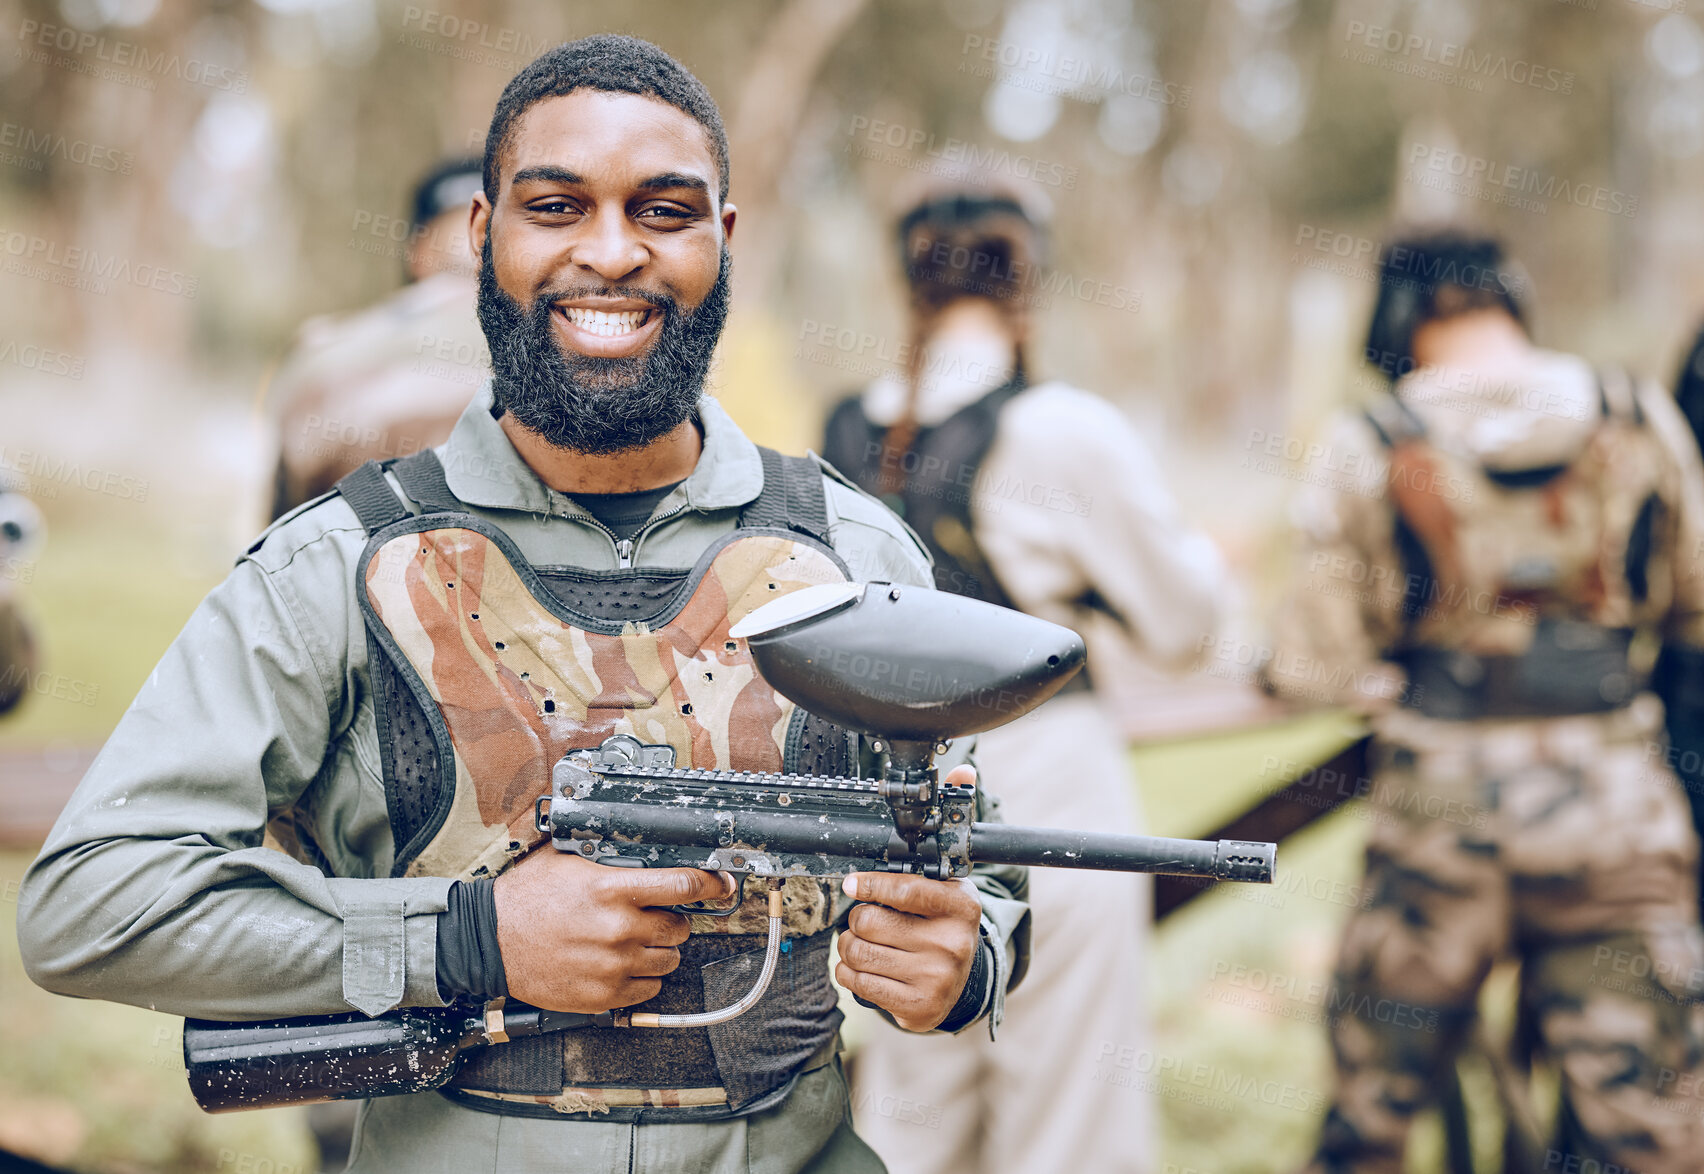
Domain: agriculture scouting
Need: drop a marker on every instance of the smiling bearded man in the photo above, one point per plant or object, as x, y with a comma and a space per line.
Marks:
599, 402
385, 680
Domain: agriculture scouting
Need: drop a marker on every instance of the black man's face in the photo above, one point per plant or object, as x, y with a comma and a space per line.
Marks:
604, 269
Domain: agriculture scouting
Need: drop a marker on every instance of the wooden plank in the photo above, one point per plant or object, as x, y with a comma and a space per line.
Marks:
1317, 792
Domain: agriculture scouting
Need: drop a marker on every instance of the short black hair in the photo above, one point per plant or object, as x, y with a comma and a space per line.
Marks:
1427, 277
616, 65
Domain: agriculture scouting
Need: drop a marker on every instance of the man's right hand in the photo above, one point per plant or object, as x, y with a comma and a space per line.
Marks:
578, 936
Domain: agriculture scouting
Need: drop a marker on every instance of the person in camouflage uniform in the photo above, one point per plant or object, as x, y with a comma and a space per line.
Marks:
1488, 558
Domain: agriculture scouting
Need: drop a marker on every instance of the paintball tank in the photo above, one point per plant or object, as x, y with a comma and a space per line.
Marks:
909, 667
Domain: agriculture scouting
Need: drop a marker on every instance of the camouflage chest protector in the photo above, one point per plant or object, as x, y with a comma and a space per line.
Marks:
487, 669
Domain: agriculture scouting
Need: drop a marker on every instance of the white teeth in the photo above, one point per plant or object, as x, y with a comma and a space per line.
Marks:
599, 322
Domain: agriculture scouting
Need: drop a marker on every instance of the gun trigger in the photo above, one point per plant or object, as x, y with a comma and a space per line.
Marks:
704, 909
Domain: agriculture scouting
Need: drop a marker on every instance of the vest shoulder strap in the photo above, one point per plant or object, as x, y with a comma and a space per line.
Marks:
792, 497
422, 477
1619, 397
377, 505
1394, 422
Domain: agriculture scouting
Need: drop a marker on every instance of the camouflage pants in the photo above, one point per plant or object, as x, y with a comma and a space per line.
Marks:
1565, 843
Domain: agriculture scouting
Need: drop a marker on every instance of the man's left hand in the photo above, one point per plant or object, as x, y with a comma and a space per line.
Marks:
909, 949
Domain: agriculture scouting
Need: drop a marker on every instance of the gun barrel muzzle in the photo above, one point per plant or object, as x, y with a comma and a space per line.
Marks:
1231, 860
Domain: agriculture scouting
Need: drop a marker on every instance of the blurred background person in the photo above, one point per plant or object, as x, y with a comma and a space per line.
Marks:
384, 382
20, 534
1037, 495
1678, 677
389, 380
1484, 576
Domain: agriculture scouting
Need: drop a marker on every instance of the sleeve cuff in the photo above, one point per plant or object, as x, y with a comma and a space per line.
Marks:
469, 963
390, 940
978, 988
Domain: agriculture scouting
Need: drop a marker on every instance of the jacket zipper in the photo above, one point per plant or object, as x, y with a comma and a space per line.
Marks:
625, 548
628, 547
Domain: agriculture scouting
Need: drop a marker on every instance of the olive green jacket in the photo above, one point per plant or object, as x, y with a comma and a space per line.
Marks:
155, 887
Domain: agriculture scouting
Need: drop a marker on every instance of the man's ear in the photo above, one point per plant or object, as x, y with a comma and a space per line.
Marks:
478, 223
729, 212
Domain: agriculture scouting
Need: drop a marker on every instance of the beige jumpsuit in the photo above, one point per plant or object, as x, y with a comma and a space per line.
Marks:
1068, 501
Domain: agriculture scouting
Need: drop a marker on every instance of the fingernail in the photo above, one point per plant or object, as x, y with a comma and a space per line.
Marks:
850, 885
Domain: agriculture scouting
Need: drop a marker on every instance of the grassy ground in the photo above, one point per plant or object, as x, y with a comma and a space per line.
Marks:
99, 1087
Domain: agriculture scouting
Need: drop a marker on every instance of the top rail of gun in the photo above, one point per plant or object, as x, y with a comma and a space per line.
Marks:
771, 780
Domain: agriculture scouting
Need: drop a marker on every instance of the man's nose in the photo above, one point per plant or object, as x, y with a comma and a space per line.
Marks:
609, 246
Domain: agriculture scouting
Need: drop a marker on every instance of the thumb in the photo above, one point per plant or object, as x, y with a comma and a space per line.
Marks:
963, 775
676, 886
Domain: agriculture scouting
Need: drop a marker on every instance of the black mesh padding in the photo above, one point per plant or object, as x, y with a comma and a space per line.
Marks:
614, 595
413, 784
817, 747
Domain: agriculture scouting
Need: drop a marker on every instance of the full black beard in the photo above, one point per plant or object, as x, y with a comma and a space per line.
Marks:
591, 404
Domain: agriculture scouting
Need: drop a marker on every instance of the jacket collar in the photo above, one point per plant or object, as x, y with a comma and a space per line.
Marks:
483, 468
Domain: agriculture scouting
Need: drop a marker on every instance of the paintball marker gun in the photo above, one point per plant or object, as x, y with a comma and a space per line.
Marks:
907, 666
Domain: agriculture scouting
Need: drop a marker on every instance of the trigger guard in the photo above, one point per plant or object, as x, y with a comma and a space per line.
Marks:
700, 909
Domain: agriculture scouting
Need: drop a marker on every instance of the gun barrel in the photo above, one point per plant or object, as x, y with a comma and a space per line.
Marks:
1234, 860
